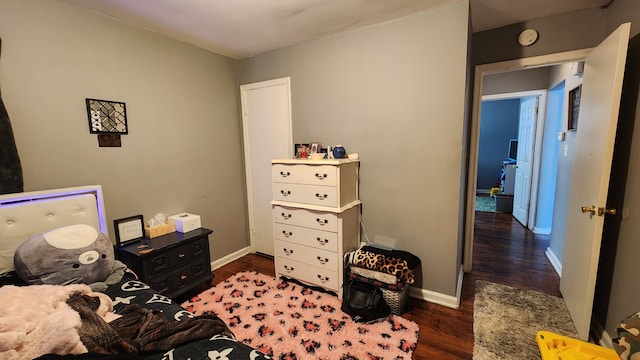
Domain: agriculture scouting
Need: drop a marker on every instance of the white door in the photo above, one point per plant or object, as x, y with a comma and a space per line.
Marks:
266, 121
595, 137
524, 159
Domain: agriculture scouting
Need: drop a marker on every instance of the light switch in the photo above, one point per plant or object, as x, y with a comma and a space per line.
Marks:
561, 136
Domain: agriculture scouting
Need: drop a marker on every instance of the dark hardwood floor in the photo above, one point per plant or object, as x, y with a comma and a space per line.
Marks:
504, 252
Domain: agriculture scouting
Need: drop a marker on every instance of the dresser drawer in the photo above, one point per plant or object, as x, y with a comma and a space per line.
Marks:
174, 281
308, 273
307, 218
183, 254
156, 263
324, 240
316, 257
195, 271
305, 174
306, 194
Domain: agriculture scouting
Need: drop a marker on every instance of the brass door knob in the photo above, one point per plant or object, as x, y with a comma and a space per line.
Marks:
602, 211
589, 209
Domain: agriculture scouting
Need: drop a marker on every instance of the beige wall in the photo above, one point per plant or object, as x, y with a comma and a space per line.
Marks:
395, 94
183, 150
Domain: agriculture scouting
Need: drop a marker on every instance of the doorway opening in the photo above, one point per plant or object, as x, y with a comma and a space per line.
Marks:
510, 142
482, 83
590, 152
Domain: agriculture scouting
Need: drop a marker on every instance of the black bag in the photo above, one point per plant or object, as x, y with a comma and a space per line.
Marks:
364, 302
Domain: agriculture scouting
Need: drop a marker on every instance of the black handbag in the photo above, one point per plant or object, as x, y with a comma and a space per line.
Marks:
364, 302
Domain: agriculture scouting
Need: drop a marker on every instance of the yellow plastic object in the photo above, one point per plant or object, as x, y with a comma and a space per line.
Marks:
557, 347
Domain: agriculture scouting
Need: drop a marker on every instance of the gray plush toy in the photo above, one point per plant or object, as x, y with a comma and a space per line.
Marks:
74, 254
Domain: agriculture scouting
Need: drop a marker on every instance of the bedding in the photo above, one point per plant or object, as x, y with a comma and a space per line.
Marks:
133, 292
36, 320
129, 320
127, 296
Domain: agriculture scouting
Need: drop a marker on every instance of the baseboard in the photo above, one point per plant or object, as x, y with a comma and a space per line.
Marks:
557, 265
229, 258
605, 339
421, 294
434, 297
542, 231
483, 191
459, 287
438, 298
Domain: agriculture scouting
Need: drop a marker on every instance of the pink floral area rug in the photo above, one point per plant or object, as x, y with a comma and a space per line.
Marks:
288, 321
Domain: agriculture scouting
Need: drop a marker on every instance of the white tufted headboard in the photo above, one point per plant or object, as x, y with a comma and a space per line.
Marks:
25, 214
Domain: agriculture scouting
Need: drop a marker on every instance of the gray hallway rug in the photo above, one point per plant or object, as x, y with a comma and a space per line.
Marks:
506, 320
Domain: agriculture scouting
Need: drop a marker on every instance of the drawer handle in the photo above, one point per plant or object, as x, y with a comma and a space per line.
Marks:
287, 233
182, 277
323, 279
284, 174
289, 268
321, 196
322, 260
322, 241
321, 176
288, 251
181, 255
286, 216
322, 222
285, 192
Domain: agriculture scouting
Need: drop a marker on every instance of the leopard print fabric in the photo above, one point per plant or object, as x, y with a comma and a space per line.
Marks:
385, 264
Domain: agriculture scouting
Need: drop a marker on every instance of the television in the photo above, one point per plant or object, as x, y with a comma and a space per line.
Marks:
513, 150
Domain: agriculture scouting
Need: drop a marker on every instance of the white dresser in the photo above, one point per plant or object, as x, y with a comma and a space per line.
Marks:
316, 214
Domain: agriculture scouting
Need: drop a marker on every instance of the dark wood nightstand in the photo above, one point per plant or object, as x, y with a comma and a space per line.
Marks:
177, 262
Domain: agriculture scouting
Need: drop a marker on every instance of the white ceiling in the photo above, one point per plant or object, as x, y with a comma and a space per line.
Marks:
243, 28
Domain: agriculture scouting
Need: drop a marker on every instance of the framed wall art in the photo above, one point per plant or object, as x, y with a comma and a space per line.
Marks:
574, 108
128, 229
107, 117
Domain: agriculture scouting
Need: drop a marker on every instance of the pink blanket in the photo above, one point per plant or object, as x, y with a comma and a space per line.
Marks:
36, 320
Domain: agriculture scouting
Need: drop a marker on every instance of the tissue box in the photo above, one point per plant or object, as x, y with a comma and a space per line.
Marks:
152, 232
186, 222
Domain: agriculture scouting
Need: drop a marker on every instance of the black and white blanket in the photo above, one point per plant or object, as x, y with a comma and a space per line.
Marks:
151, 326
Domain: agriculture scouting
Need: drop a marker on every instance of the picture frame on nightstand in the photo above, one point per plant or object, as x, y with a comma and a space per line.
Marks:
128, 229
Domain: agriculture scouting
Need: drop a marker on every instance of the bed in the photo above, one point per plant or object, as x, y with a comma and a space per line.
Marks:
26, 214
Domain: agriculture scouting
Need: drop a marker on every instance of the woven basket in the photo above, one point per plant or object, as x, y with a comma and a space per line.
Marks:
396, 299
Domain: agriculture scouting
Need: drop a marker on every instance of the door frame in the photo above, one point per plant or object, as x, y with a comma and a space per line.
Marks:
246, 142
474, 133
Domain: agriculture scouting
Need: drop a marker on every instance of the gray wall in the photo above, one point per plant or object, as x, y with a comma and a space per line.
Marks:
183, 150
571, 31
395, 94
514, 81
